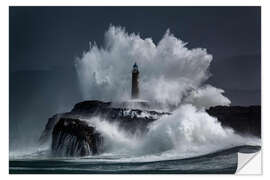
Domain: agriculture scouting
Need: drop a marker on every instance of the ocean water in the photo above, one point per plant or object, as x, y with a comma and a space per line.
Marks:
220, 162
188, 141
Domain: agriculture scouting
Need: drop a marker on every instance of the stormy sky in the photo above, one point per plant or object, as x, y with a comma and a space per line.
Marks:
44, 42
50, 37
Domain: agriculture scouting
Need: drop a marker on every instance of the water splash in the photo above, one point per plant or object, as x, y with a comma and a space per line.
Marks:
188, 132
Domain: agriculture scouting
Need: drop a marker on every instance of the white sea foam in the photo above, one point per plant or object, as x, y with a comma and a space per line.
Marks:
188, 132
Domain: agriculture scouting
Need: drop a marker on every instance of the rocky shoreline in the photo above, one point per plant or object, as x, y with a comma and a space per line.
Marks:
72, 136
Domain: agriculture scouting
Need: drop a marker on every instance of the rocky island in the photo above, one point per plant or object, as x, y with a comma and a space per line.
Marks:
72, 135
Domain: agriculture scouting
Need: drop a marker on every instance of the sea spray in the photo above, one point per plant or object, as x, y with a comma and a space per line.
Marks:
188, 132
192, 130
169, 70
116, 140
171, 74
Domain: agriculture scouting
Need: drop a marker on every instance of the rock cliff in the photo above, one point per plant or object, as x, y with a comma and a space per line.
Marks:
244, 120
72, 135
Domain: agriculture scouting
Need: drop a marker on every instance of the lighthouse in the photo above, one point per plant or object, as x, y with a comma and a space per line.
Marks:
135, 82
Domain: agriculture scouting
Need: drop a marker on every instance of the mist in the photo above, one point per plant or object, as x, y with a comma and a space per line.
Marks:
35, 96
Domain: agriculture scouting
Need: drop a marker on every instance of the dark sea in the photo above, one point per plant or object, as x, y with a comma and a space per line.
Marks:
220, 162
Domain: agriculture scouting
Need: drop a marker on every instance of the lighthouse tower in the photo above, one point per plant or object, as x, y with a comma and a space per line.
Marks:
135, 82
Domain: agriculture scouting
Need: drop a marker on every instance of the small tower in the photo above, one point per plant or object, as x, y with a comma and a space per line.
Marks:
135, 82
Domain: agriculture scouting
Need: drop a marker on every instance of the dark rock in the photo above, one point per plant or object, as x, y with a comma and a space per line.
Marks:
73, 137
132, 120
90, 106
48, 128
244, 120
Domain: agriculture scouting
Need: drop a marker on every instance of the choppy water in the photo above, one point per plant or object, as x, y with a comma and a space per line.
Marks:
188, 141
221, 162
